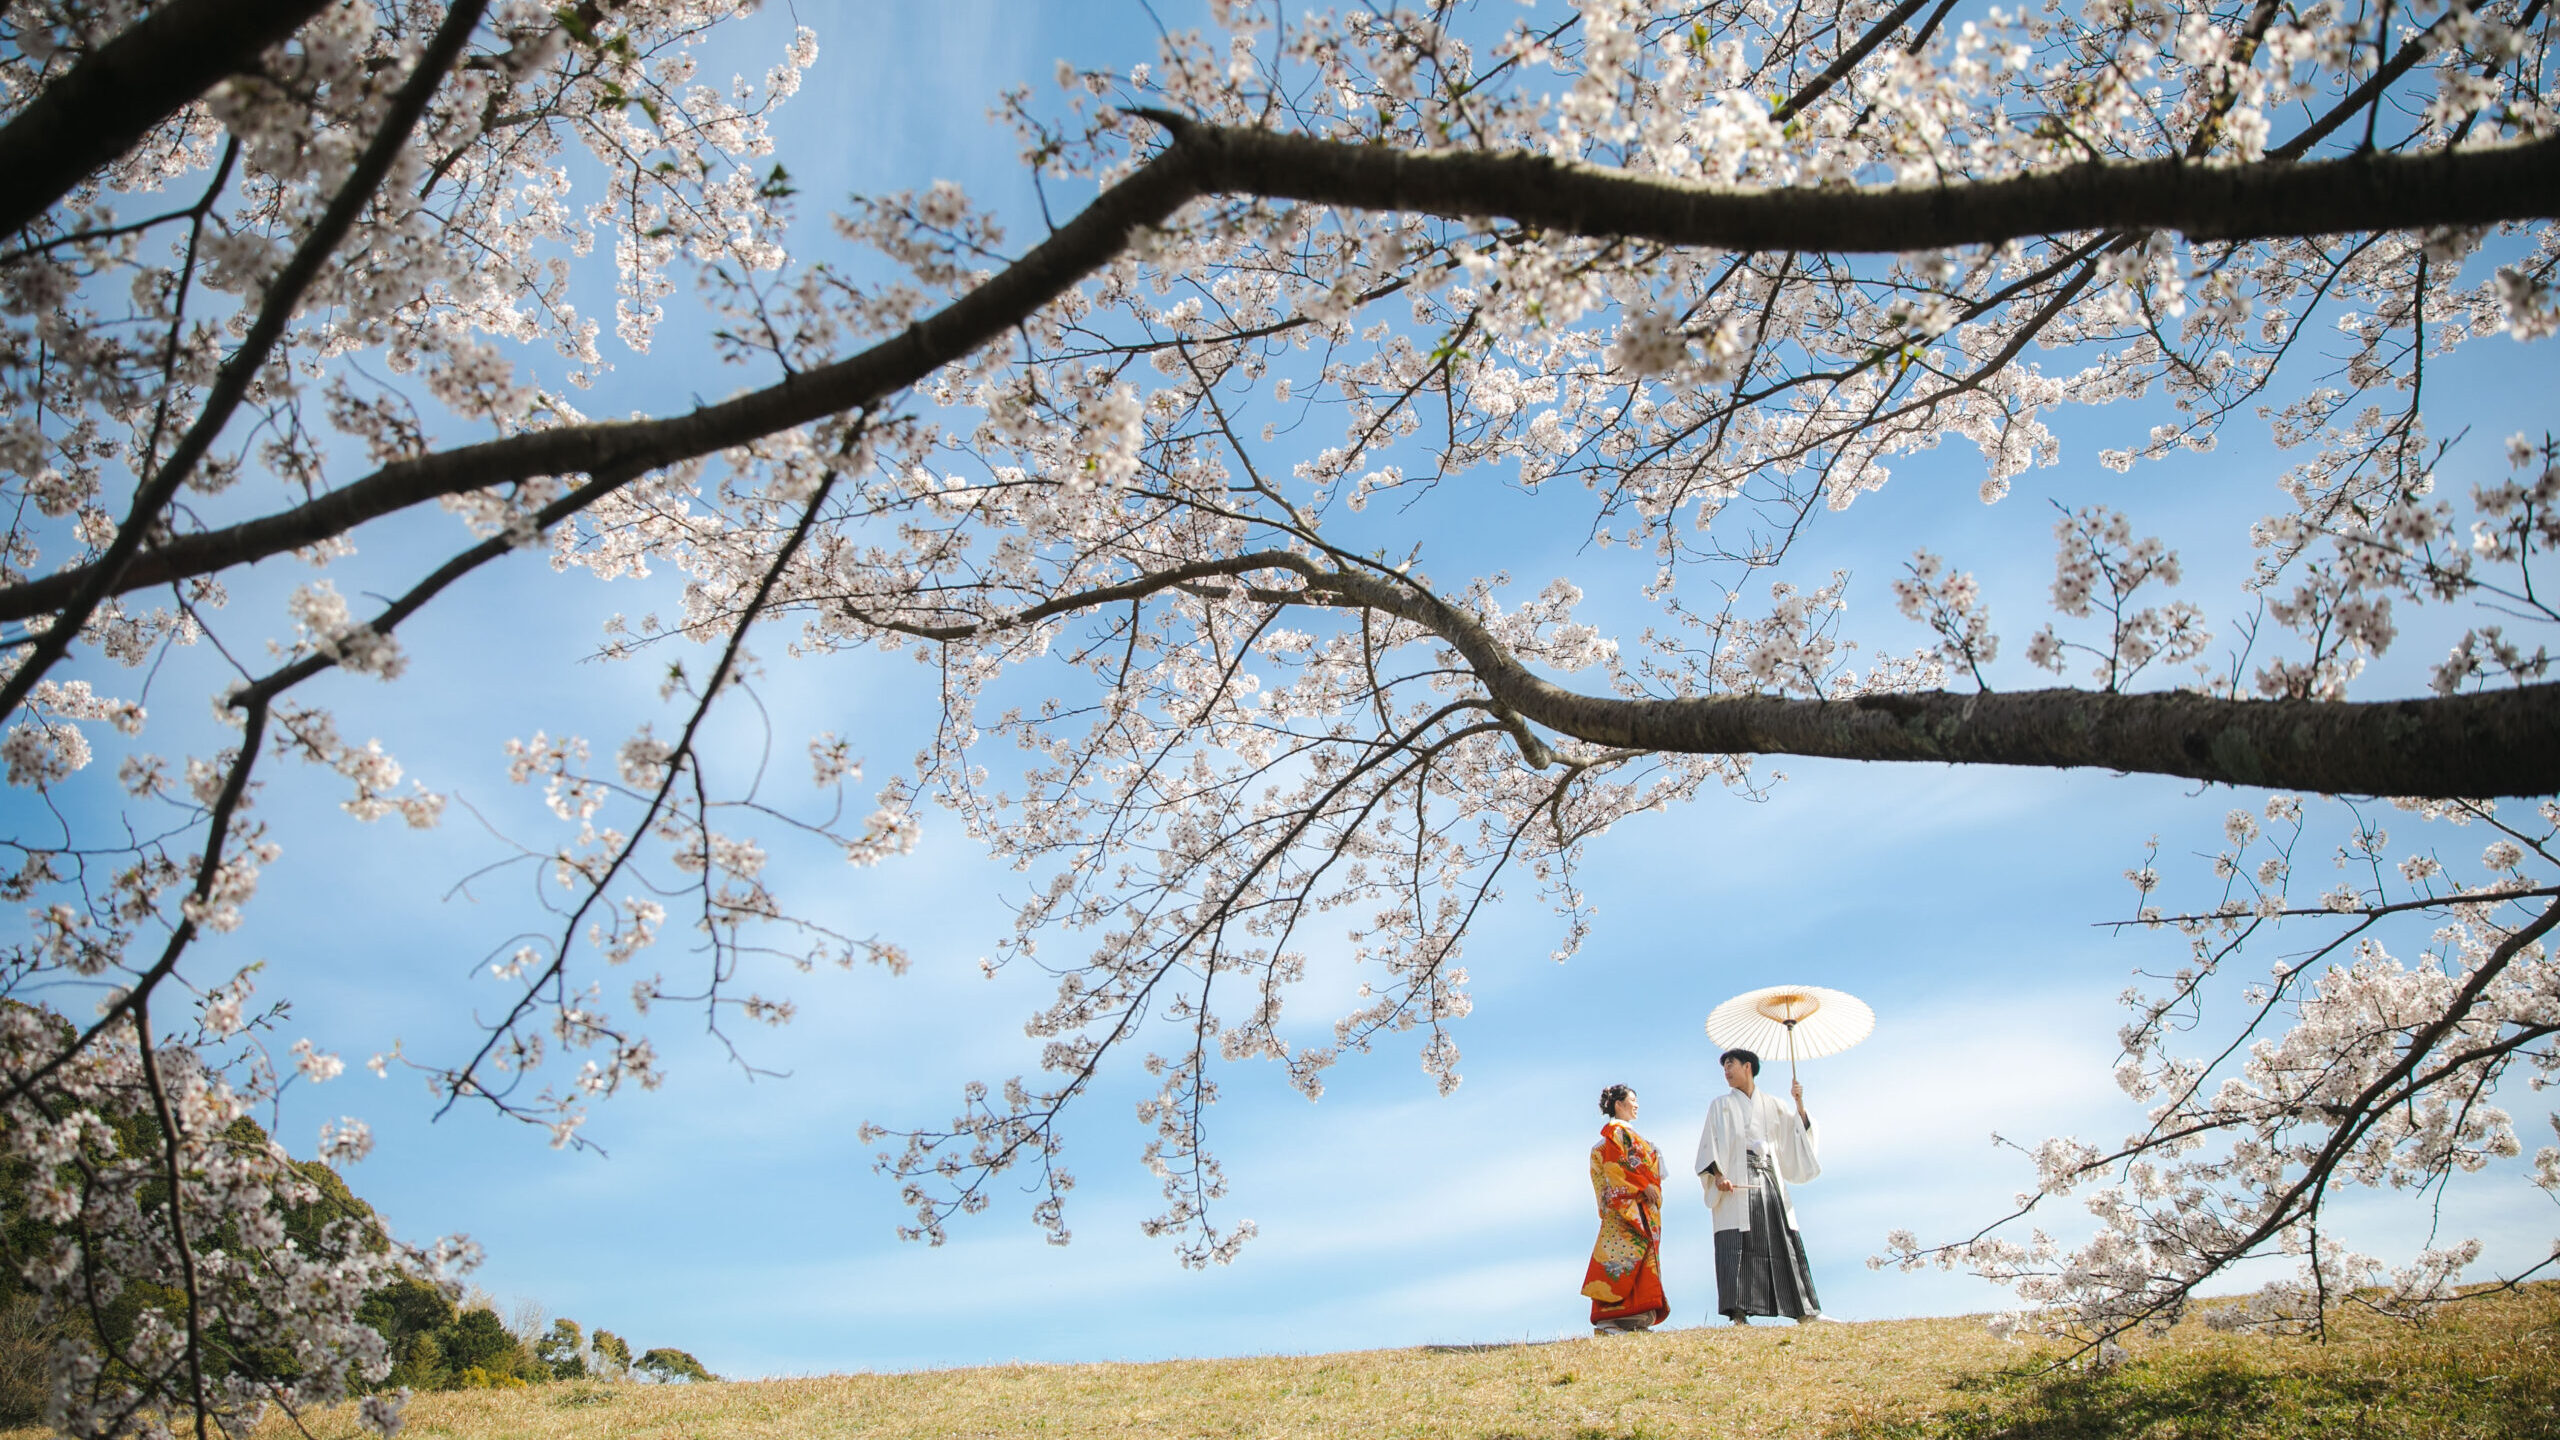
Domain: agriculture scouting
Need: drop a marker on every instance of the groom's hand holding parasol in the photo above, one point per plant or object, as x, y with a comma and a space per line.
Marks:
1806, 1021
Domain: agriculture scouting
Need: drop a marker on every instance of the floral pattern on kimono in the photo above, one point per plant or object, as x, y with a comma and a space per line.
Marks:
1624, 1278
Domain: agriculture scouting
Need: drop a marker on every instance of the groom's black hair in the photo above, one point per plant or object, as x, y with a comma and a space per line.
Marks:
1745, 1056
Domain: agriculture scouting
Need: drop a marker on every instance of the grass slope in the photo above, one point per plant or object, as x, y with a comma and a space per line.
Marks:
2488, 1368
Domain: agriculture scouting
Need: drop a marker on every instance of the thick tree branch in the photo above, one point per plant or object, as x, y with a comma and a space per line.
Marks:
2265, 200
2504, 742
101, 109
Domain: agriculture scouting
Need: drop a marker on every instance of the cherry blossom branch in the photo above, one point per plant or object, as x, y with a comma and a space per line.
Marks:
1838, 70
463, 1080
2358, 1116
235, 784
78, 124
2164, 1133
1109, 492
2495, 743
2265, 200
2202, 1250
632, 448
172, 1143
255, 703
415, 598
231, 384
2358, 100
2432, 902
1030, 1125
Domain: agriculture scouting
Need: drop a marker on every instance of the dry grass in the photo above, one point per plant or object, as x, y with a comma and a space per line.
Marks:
2490, 1368
1765, 1381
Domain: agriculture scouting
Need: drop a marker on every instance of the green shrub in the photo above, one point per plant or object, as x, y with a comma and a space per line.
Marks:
408, 1313
669, 1366
478, 1340
563, 1353
421, 1368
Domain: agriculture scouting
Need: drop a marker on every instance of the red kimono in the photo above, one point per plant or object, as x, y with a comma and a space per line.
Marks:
1625, 1277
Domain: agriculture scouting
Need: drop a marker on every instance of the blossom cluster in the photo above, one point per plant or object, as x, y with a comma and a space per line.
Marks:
2346, 1066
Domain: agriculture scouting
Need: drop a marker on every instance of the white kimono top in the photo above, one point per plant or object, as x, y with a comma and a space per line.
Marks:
1738, 1124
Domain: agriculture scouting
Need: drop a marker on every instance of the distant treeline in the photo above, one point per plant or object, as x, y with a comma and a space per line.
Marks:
437, 1342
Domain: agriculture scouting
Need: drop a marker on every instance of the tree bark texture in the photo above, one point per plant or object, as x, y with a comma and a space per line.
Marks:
79, 124
2265, 200
2497, 743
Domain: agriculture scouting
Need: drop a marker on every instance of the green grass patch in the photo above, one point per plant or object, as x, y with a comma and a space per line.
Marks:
2485, 1368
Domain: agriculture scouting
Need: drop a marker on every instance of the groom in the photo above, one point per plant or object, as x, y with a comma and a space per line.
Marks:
1750, 1151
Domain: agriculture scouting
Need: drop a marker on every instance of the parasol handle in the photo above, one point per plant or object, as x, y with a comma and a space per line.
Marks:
1791, 1051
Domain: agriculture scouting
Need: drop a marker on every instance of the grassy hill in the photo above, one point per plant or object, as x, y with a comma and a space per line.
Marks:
2489, 1368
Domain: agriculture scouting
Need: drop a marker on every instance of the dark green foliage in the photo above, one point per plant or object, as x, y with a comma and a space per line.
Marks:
406, 1308
669, 1366
408, 1313
479, 1340
25, 1343
435, 1345
305, 1224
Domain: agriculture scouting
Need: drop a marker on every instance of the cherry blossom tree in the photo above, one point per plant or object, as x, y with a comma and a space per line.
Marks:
1691, 274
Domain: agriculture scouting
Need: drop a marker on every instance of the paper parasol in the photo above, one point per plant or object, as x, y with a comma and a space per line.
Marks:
1806, 1022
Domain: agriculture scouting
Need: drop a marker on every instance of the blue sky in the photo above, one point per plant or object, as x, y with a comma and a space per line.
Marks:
737, 1217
